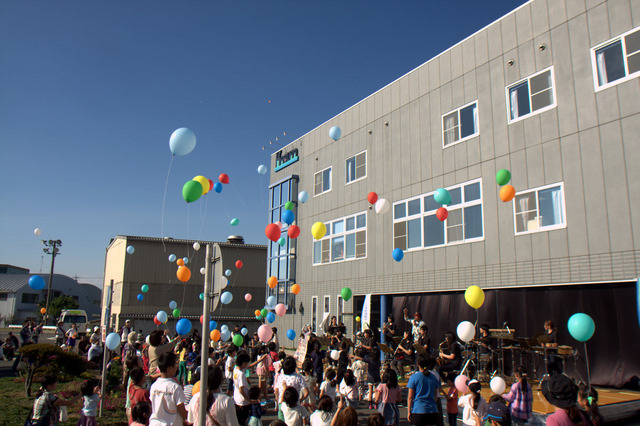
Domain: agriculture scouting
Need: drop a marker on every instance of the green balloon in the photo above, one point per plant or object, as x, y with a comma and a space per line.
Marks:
238, 340
191, 191
503, 177
282, 241
264, 312
144, 288
201, 296
176, 313
345, 293
234, 221
289, 205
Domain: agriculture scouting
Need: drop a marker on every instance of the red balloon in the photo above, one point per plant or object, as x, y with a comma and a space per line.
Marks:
442, 214
372, 197
272, 231
223, 178
210, 184
201, 316
156, 321
238, 264
293, 231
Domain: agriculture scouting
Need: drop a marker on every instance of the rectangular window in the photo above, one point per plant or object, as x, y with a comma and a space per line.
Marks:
460, 125
340, 309
532, 95
322, 182
327, 305
416, 226
346, 239
314, 314
616, 60
29, 298
3, 296
356, 167
540, 209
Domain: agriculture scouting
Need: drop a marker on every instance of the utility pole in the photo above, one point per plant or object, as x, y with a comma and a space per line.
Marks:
50, 247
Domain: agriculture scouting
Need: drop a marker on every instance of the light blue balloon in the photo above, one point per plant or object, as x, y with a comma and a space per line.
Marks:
244, 331
442, 196
581, 327
282, 241
36, 282
335, 133
398, 255
303, 196
224, 327
212, 325
224, 335
140, 297
226, 298
291, 334
162, 316
227, 272
173, 304
262, 169
131, 249
186, 260
288, 217
172, 258
182, 141
217, 187
183, 326
271, 301
271, 317
112, 341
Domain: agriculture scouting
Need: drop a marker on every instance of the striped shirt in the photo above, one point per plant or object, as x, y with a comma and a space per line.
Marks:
521, 401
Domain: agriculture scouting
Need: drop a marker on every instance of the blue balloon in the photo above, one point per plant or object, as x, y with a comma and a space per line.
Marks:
291, 334
271, 317
224, 335
140, 297
303, 196
442, 196
244, 331
271, 301
224, 327
288, 217
36, 282
183, 326
112, 341
227, 272
172, 258
217, 187
212, 325
173, 304
226, 298
182, 141
131, 249
398, 255
185, 260
162, 316
581, 327
262, 169
335, 133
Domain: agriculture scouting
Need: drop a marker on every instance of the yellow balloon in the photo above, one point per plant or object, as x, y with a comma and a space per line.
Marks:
318, 230
474, 296
204, 182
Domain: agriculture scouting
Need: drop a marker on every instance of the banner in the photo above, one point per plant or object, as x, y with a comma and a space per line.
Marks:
365, 318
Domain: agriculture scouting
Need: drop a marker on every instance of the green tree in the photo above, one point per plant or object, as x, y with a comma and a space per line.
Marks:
58, 304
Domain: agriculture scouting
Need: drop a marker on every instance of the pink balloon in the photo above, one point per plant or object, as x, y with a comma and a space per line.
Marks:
265, 333
280, 225
461, 383
247, 297
281, 309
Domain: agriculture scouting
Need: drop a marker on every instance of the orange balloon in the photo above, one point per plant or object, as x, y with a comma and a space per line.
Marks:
215, 335
295, 289
43, 311
257, 312
184, 274
196, 388
180, 262
507, 193
273, 282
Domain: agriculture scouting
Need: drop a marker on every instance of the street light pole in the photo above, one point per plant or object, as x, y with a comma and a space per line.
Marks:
50, 247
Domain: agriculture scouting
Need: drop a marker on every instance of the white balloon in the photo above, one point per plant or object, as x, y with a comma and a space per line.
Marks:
382, 206
196, 246
335, 355
202, 271
466, 331
37, 232
497, 385
303, 196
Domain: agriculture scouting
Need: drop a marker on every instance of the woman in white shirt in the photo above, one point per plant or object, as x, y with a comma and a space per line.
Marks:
221, 408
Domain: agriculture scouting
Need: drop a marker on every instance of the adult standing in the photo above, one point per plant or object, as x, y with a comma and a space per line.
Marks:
389, 331
157, 348
124, 334
35, 331
72, 335
25, 333
416, 323
60, 333
423, 395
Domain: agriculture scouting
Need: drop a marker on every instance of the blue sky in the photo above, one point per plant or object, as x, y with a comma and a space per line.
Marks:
91, 91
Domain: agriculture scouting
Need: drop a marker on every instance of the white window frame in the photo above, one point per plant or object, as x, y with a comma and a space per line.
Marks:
330, 235
325, 304
466, 138
423, 214
594, 62
339, 308
314, 320
365, 168
540, 228
528, 80
324, 191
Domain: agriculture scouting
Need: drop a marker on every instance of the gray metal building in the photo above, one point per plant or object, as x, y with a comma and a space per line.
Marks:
551, 92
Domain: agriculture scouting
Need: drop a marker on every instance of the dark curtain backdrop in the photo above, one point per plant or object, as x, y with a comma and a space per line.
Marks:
613, 350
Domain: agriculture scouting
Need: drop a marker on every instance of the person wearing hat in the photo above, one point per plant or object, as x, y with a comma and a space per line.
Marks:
562, 393
96, 334
416, 323
124, 334
497, 415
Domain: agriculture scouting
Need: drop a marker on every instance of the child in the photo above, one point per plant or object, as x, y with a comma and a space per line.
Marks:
137, 392
360, 372
229, 364
349, 389
376, 419
46, 406
91, 395
473, 404
588, 401
324, 414
328, 387
520, 398
343, 360
388, 395
294, 413
141, 413
451, 396
183, 350
372, 359
310, 380
241, 388
188, 389
262, 370
255, 415
167, 397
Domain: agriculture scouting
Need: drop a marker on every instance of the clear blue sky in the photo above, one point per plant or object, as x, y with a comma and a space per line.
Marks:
90, 92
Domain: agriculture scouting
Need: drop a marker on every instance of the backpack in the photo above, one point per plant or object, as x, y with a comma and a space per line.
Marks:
44, 421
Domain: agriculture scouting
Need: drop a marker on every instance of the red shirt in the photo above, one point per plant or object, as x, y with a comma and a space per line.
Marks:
274, 358
137, 394
452, 400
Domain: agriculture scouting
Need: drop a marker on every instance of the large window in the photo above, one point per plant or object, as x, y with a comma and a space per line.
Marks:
314, 314
540, 209
280, 259
616, 60
530, 96
415, 225
322, 182
30, 298
340, 309
356, 167
346, 239
327, 306
460, 125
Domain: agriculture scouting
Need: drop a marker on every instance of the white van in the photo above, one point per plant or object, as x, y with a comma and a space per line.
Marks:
77, 317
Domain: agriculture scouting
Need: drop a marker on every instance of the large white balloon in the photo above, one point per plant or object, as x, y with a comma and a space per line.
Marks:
335, 355
182, 141
497, 385
466, 331
112, 341
382, 206
196, 246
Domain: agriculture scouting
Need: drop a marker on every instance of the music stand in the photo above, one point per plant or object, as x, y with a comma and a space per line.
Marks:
385, 348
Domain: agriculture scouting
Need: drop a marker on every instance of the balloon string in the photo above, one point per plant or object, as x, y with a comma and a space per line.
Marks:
238, 194
164, 199
202, 217
224, 203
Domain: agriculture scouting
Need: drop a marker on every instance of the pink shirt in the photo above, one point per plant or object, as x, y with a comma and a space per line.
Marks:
263, 368
561, 418
387, 395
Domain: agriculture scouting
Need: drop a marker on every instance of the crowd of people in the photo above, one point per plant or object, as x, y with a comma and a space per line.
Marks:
323, 384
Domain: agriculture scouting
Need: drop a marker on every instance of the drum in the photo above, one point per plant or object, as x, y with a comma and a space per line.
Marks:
565, 350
